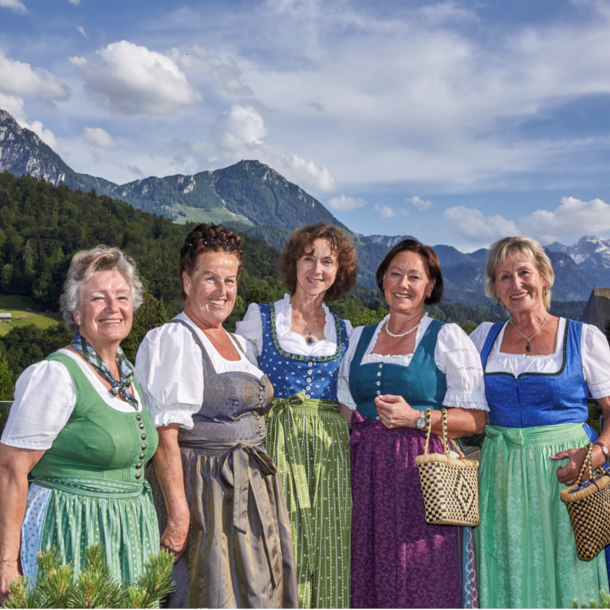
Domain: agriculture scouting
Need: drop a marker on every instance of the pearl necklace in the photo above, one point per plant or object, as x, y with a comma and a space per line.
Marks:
387, 329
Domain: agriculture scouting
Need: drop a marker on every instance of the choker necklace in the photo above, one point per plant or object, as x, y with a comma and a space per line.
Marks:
387, 329
528, 347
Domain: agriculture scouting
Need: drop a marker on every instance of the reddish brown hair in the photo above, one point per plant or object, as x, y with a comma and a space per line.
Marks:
206, 238
301, 242
430, 259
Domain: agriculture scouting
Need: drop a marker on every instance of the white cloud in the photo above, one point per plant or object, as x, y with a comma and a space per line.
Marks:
222, 72
345, 204
81, 29
572, 217
75, 2
420, 204
388, 212
472, 225
238, 134
46, 135
16, 5
21, 79
135, 80
99, 139
13, 105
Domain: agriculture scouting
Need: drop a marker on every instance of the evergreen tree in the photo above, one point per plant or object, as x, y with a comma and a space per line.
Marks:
56, 585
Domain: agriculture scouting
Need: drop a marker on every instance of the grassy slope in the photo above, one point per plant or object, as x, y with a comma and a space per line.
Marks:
184, 214
22, 306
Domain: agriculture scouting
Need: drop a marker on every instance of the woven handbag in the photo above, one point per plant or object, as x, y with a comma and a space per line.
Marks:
450, 486
588, 505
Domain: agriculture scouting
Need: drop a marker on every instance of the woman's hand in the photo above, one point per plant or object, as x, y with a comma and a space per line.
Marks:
395, 412
168, 469
9, 571
569, 473
175, 537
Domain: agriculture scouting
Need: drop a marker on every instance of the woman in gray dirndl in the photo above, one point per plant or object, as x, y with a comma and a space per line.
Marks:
217, 492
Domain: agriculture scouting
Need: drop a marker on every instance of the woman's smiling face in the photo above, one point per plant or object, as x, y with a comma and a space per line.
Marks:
211, 288
406, 283
317, 270
519, 283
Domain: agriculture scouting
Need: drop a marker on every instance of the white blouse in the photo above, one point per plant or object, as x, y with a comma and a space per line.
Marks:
169, 368
454, 355
251, 328
44, 400
593, 346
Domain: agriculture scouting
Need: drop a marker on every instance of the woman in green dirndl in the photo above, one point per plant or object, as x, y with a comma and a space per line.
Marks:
539, 373
78, 425
299, 344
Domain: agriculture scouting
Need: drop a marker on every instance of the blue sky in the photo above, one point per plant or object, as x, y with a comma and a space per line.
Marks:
457, 122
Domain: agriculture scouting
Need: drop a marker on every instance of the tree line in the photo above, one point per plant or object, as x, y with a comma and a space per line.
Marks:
42, 226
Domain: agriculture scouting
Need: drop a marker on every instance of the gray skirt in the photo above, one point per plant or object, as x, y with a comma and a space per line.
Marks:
240, 552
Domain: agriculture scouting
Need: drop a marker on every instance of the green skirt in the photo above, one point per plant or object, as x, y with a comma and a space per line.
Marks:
71, 514
309, 442
526, 553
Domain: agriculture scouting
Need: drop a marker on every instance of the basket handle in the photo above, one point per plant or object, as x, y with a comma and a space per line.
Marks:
444, 439
586, 462
428, 429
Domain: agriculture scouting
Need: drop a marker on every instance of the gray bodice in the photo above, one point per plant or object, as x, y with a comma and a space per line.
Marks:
233, 407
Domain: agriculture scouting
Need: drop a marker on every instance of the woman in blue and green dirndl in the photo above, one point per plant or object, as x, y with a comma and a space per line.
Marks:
540, 371
299, 344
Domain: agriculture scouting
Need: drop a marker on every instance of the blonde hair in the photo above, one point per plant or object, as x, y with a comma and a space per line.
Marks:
82, 267
510, 246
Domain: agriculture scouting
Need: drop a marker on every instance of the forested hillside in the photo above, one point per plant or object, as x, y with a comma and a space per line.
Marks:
42, 226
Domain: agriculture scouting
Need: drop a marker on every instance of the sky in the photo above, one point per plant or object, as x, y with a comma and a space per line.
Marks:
459, 122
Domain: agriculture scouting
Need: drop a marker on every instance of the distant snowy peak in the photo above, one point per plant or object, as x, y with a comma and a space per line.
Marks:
390, 241
591, 254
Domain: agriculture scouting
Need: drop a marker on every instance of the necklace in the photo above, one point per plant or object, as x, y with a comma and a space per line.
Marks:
308, 333
387, 329
528, 347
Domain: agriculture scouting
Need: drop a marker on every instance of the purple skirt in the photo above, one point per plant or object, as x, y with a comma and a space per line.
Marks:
398, 560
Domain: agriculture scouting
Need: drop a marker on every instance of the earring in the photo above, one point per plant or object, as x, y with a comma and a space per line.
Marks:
499, 302
546, 292
188, 301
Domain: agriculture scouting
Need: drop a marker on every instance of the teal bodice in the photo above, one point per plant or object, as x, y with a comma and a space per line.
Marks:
421, 383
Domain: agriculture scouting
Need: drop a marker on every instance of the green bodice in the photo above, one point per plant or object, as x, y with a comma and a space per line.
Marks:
98, 441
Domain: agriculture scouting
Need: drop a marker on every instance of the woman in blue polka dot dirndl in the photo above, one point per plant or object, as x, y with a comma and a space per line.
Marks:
299, 344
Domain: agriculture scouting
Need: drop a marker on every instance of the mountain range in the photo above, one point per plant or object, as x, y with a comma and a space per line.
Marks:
255, 199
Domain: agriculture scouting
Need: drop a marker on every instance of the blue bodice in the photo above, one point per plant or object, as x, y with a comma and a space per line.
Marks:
292, 373
538, 399
421, 383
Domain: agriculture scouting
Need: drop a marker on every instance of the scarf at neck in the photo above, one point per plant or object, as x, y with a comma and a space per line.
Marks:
86, 350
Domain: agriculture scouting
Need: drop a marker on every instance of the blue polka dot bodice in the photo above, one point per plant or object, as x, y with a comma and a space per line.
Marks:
538, 399
292, 373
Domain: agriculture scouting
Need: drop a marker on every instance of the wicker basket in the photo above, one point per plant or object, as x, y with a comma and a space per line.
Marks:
588, 505
450, 486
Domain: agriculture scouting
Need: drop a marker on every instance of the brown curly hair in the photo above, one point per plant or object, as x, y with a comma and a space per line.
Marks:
430, 259
206, 238
301, 242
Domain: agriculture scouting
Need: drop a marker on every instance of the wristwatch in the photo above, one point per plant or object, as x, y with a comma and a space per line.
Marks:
603, 448
421, 421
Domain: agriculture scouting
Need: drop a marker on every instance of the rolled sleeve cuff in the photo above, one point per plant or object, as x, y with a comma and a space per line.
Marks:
600, 389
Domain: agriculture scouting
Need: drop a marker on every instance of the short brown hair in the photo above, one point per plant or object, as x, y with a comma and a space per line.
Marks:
301, 242
206, 238
431, 259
